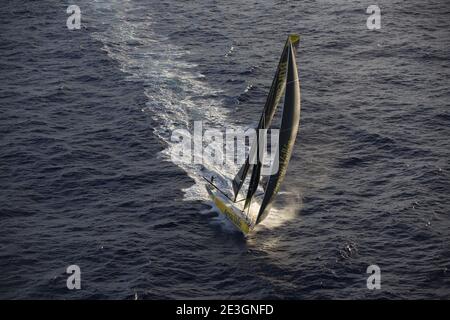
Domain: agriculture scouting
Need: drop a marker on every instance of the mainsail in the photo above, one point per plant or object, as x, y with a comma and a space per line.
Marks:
286, 79
288, 133
273, 99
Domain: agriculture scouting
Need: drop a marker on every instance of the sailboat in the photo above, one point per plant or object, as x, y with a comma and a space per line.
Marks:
243, 214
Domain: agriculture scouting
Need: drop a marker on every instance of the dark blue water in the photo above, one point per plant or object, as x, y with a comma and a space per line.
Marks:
86, 174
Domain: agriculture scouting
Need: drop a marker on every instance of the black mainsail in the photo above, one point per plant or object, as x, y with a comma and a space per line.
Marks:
286, 79
288, 133
273, 99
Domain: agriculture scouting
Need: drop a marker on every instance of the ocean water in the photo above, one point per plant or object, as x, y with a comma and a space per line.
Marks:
86, 174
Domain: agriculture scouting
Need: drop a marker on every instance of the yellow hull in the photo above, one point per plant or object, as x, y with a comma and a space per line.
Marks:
232, 213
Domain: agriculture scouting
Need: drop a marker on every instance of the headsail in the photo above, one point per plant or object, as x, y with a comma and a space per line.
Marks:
288, 133
273, 99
